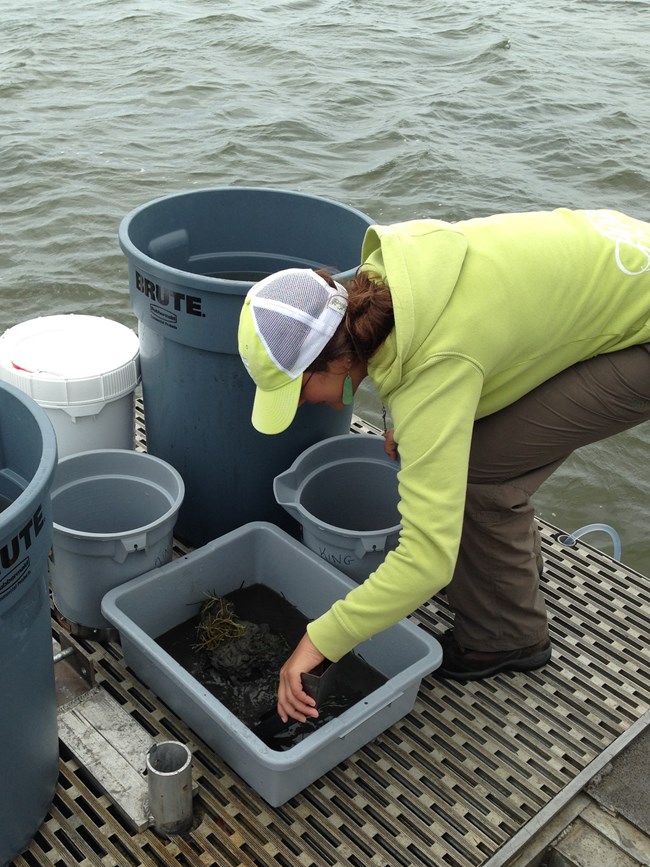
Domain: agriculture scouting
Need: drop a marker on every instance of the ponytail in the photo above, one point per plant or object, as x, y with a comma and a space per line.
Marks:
368, 320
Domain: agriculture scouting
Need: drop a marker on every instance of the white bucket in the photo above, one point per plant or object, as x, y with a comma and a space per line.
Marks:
83, 371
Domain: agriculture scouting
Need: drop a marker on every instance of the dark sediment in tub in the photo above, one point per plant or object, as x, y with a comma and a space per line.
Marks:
242, 670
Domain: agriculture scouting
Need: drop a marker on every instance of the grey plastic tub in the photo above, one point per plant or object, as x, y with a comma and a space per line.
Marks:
192, 257
114, 515
343, 492
29, 747
260, 553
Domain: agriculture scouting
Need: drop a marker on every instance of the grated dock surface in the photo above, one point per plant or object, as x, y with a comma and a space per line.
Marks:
447, 786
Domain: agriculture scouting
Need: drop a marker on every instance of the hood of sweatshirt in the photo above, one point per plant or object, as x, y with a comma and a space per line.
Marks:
419, 256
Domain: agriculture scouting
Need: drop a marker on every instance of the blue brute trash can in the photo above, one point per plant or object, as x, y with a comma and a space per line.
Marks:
192, 257
29, 748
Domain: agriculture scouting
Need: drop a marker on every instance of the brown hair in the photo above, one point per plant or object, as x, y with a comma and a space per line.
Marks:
368, 320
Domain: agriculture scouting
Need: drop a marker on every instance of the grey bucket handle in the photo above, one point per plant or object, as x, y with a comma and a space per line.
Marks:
126, 546
368, 544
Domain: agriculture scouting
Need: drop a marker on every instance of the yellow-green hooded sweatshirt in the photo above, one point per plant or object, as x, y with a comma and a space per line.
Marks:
485, 310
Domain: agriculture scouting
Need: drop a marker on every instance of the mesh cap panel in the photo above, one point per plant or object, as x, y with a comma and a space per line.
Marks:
299, 290
283, 336
295, 313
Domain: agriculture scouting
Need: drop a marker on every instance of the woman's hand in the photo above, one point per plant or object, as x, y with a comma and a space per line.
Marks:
293, 701
390, 446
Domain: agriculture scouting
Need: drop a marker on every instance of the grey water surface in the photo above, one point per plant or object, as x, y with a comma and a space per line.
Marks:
399, 108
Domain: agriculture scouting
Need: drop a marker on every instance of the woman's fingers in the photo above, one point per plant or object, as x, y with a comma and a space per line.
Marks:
293, 701
390, 446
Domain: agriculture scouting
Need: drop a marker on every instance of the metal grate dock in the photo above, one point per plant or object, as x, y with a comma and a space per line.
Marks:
463, 780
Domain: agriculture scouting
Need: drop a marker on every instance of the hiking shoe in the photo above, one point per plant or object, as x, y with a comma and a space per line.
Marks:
460, 664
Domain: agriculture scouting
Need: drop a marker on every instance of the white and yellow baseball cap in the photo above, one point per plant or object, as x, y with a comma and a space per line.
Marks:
286, 321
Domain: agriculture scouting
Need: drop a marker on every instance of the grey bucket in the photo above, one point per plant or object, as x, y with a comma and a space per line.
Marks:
29, 747
114, 513
192, 257
343, 491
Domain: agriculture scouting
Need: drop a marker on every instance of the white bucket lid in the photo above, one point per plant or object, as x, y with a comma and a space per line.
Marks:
70, 359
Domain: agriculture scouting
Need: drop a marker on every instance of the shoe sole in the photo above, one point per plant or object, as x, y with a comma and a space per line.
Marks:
529, 664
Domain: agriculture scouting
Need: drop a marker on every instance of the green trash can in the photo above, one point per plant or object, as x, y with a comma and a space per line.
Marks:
192, 257
29, 747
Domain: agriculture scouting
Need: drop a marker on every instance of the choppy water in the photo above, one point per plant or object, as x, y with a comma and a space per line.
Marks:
399, 108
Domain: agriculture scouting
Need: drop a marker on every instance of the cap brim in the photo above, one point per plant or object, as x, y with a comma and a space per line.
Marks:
273, 411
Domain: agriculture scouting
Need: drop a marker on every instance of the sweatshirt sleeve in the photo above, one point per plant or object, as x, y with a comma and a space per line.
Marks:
433, 408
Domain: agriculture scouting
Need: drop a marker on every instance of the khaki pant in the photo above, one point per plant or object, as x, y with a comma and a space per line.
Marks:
495, 591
